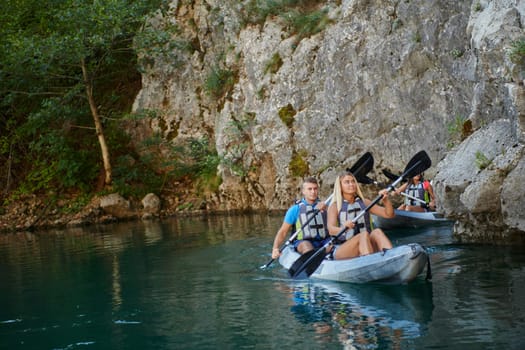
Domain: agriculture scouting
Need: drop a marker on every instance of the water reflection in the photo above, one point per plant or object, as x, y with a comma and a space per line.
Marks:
152, 232
116, 291
362, 316
196, 283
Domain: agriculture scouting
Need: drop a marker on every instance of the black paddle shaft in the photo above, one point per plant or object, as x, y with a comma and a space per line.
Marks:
362, 167
306, 264
410, 170
290, 240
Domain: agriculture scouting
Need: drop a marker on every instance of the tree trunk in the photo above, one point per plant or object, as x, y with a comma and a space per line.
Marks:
98, 125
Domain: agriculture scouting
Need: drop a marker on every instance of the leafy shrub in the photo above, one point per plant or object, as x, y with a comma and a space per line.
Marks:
305, 24
76, 205
482, 161
301, 16
237, 138
517, 52
62, 153
478, 7
459, 130
456, 53
198, 160
219, 82
137, 177
258, 10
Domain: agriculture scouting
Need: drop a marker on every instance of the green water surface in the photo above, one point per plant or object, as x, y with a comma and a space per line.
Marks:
195, 283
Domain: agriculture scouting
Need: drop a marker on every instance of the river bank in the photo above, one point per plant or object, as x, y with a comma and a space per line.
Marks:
33, 213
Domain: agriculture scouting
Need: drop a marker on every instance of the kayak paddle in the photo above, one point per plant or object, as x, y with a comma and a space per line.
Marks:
367, 181
307, 263
292, 237
393, 176
414, 198
363, 165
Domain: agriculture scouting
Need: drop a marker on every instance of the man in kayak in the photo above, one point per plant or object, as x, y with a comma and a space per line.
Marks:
311, 231
360, 238
419, 195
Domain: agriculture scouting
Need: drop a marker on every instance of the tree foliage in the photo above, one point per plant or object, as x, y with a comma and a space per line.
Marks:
63, 63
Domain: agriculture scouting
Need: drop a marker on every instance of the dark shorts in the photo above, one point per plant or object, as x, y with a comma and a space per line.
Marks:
315, 243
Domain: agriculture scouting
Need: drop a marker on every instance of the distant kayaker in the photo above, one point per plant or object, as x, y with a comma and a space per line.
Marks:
419, 195
360, 238
312, 231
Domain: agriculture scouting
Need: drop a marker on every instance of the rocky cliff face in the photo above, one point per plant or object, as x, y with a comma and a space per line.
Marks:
389, 77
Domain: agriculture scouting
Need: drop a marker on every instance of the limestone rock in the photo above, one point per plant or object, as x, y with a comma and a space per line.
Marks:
389, 77
513, 197
151, 204
116, 205
473, 185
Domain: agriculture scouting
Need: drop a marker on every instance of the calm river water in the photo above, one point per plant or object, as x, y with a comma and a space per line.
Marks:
195, 283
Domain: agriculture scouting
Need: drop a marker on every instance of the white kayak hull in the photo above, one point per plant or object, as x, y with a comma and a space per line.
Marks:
410, 219
398, 265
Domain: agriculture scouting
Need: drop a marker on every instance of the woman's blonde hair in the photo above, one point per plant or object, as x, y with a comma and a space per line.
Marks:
338, 195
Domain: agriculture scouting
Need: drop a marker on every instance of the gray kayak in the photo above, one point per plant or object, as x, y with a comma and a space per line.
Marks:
410, 219
398, 265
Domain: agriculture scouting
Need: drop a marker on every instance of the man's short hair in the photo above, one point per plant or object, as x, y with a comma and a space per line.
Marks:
310, 180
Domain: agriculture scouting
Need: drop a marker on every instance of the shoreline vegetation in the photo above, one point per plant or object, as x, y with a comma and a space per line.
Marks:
70, 75
35, 214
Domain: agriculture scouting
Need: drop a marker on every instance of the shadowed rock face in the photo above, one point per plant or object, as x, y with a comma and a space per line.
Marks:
389, 77
480, 183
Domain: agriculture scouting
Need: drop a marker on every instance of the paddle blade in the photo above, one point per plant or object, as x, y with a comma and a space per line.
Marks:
390, 175
363, 166
418, 164
366, 180
307, 264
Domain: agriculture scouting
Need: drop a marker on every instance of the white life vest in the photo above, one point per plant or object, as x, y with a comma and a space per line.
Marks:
316, 227
348, 212
417, 191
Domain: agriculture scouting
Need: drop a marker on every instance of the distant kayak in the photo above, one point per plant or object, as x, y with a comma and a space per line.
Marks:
398, 265
410, 219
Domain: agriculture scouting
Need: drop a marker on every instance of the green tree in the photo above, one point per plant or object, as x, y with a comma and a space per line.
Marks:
61, 64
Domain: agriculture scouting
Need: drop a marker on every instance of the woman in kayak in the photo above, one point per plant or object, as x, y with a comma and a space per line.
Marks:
360, 238
419, 195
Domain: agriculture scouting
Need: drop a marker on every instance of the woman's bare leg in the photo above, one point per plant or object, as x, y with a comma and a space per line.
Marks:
365, 244
379, 240
350, 249
415, 208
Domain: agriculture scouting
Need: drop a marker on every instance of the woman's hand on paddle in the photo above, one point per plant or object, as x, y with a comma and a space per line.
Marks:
321, 206
349, 224
384, 193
